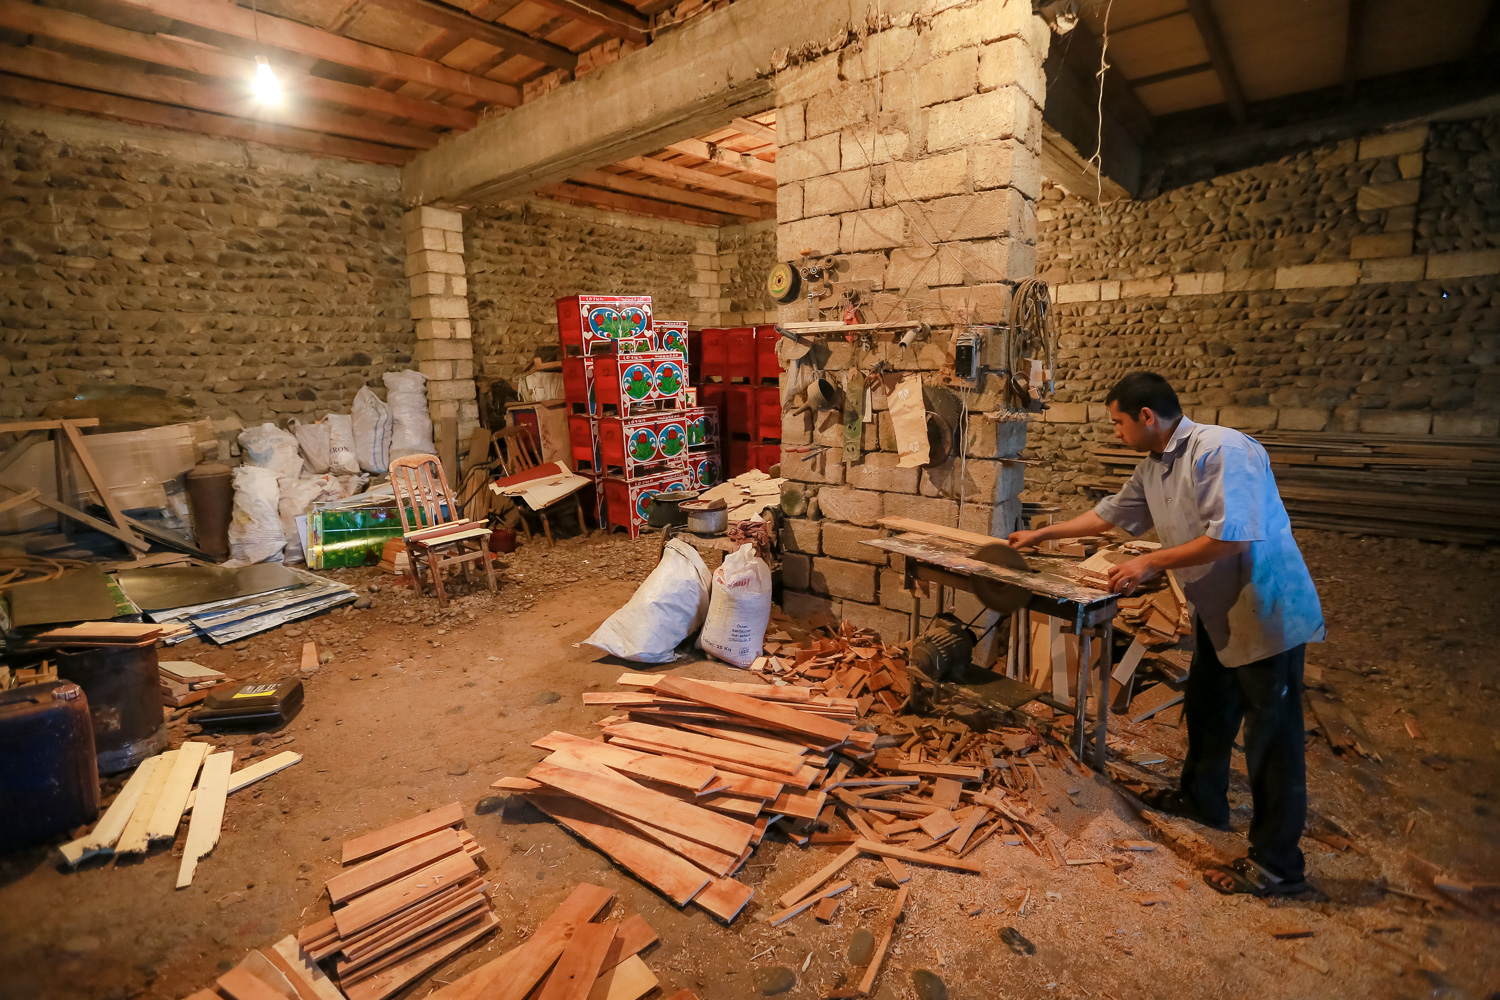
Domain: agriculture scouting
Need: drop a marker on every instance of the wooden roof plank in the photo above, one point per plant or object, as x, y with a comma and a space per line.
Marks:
1218, 54
468, 26
206, 60
283, 33
662, 192
618, 202
617, 19
726, 157
698, 178
755, 130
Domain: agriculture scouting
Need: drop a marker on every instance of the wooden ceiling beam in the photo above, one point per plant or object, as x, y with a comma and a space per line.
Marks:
698, 178
283, 33
1172, 74
662, 192
195, 57
623, 22
1218, 54
756, 131
128, 109
44, 64
1353, 26
743, 162
467, 26
618, 202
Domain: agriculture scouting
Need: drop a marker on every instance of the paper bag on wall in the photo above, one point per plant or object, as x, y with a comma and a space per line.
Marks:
909, 416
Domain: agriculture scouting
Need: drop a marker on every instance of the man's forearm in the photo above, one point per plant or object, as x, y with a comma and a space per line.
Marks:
1087, 523
1199, 552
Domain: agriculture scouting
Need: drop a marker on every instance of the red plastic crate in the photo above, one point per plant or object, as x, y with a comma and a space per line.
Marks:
578, 383
695, 357
628, 381
767, 364
583, 440
741, 353
738, 456
767, 412
763, 456
635, 447
628, 503
593, 322
739, 409
714, 352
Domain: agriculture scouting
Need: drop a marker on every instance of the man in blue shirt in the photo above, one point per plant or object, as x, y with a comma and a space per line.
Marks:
1209, 493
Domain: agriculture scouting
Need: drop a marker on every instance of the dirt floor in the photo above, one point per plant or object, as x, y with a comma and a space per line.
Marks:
417, 707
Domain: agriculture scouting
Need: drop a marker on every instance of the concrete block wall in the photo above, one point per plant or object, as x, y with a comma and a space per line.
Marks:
908, 156
1349, 289
440, 305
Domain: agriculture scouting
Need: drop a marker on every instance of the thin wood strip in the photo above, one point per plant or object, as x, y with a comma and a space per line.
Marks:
809, 884
580, 963
779, 716
802, 779
695, 777
393, 864
133, 839
169, 807
399, 833
205, 826
867, 982
108, 830
385, 983
915, 857
777, 919
396, 896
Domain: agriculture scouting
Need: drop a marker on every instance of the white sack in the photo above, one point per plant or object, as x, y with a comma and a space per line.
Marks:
372, 431
255, 533
313, 440
297, 498
411, 430
663, 611
739, 610
270, 447
341, 458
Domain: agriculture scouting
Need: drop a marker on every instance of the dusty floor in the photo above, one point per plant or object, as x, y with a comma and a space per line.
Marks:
418, 708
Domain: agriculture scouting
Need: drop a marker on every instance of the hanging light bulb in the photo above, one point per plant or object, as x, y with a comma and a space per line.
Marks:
265, 86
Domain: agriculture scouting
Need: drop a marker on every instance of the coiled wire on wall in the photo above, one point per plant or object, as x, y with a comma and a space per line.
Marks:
1031, 332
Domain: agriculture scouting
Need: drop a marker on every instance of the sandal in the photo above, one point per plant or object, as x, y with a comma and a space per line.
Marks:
1173, 802
1252, 879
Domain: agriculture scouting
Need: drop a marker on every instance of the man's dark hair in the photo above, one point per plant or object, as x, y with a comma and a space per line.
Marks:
1145, 390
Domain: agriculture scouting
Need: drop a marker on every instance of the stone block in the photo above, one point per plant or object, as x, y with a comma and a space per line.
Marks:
1400, 218
865, 147
805, 81
434, 260
987, 303
932, 509
796, 428
927, 178
846, 191
1301, 418
428, 217
997, 260
1410, 165
453, 242
820, 469
879, 471
846, 541
434, 329
791, 123
1374, 197
460, 389
984, 215
883, 52
1467, 264
439, 307
947, 78
1078, 291
1146, 288
426, 239
998, 438
855, 506
789, 202
838, 108
923, 266
810, 158
1249, 280
1397, 244
1248, 418
872, 229
841, 578
1007, 164
1000, 114
819, 235
1393, 269
1465, 425
796, 571
998, 519
1410, 423
1318, 275
429, 283
799, 534
1011, 62
805, 606
1410, 140
1198, 283
446, 349
891, 626
985, 21
463, 329
458, 285
1067, 413
895, 597
440, 371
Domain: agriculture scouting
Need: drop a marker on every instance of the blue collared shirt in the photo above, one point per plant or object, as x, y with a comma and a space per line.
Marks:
1215, 481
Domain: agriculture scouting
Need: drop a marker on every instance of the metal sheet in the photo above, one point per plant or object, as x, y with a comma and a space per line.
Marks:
79, 595
177, 586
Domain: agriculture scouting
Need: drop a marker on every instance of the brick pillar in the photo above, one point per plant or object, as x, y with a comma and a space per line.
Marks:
910, 157
707, 289
440, 307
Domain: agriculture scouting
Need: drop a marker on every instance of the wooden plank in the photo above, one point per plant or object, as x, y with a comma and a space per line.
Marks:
414, 938
708, 746
207, 821
617, 19
127, 536
630, 980
173, 799
938, 825
763, 134
804, 888
958, 772
669, 193
898, 872
293, 972
867, 982
247, 776
110, 828
19, 499
378, 904
698, 178
241, 984
394, 864
674, 876
782, 916
825, 909
399, 833
1126, 668
683, 774
916, 857
966, 829
743, 162
776, 715
802, 779
580, 963
297, 961
27, 426
284, 33
632, 937
724, 898
513, 974
388, 981
647, 805
489, 32
259, 965
616, 201
1218, 54
413, 922
940, 530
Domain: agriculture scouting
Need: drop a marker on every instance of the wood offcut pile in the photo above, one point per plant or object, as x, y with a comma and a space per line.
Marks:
681, 787
1441, 489
410, 895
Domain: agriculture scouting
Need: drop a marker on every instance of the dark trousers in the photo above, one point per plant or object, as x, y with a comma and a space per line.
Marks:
1267, 696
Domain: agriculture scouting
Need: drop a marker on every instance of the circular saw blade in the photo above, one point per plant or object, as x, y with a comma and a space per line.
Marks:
1004, 598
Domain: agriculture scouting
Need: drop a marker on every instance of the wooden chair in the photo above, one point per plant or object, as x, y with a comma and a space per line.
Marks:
516, 452
436, 536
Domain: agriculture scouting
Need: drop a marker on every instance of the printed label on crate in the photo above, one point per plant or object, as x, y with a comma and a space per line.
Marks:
618, 323
672, 335
643, 444
636, 380
706, 471
669, 378
594, 321
702, 427
635, 345
671, 438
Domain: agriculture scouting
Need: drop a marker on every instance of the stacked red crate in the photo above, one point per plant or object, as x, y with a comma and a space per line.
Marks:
740, 375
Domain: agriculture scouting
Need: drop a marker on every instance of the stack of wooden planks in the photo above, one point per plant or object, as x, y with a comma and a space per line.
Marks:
281, 972
150, 808
186, 683
411, 895
1441, 489
864, 669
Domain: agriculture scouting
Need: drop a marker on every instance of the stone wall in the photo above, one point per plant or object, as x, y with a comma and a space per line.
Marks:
1350, 289
524, 256
909, 157
746, 255
253, 282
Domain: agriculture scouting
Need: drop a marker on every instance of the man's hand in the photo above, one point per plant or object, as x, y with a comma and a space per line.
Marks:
1025, 539
1127, 577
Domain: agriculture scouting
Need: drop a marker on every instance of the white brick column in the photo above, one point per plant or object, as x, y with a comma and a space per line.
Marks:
440, 307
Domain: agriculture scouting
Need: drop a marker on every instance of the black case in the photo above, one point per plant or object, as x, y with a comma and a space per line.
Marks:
252, 704
49, 781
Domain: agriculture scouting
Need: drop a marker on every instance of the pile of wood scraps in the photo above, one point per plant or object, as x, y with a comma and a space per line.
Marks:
865, 670
747, 496
281, 972
186, 683
410, 896
150, 808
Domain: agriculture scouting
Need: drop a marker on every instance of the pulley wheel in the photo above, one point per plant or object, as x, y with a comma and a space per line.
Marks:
784, 283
